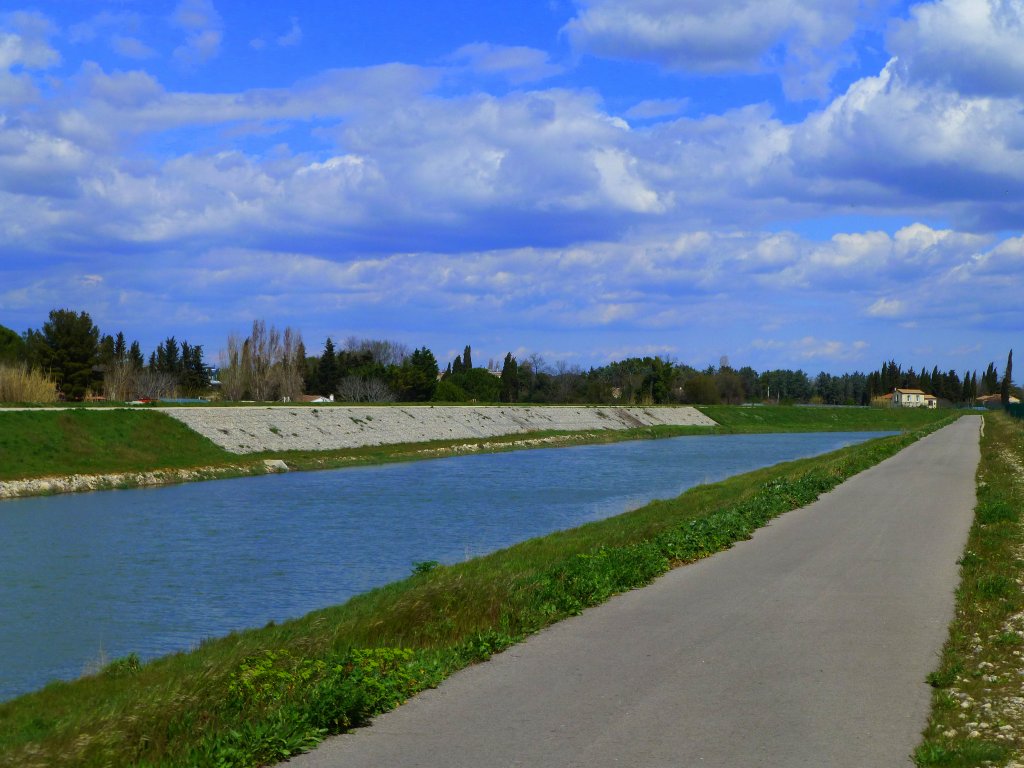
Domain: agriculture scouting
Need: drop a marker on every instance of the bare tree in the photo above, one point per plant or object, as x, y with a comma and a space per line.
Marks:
155, 384
565, 379
290, 365
354, 389
233, 374
383, 351
264, 354
119, 379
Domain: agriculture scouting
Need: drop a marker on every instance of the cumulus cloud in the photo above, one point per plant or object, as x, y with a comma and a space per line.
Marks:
972, 46
802, 40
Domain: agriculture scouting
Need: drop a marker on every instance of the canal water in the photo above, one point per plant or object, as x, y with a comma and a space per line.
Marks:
90, 577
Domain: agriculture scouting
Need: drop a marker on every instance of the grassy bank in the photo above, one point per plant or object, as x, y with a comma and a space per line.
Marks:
795, 418
977, 706
51, 442
257, 696
43, 443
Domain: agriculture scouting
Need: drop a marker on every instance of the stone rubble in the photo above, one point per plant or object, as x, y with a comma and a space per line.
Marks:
46, 486
253, 429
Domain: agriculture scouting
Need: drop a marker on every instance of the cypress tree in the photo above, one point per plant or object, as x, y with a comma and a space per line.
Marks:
510, 380
1004, 391
467, 359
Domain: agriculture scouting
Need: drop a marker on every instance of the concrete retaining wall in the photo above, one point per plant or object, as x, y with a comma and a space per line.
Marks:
318, 428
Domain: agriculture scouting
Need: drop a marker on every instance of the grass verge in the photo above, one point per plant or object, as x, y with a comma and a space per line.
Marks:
255, 697
977, 715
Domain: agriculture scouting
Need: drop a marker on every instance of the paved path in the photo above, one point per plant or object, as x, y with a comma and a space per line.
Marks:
806, 646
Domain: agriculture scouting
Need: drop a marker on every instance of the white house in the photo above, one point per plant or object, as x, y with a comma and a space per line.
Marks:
913, 398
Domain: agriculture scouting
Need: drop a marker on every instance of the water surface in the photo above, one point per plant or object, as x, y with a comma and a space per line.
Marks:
90, 577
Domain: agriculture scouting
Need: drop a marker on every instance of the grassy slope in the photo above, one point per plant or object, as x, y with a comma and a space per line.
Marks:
64, 442
792, 418
977, 709
257, 696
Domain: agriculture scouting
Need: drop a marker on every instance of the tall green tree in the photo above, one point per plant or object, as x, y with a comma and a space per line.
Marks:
467, 359
510, 380
168, 356
67, 347
990, 380
416, 378
135, 356
194, 376
12, 346
328, 375
1007, 385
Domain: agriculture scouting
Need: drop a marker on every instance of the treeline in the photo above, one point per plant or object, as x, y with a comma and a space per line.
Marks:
69, 357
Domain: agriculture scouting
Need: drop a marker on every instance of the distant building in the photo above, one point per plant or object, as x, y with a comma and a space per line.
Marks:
913, 398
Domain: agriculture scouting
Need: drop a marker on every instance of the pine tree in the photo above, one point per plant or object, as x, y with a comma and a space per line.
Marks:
67, 346
135, 355
120, 350
327, 370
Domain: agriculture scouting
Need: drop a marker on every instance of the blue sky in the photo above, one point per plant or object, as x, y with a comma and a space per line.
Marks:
789, 183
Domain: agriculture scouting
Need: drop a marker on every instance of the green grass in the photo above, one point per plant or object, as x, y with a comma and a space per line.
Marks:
42, 443
255, 697
976, 715
792, 418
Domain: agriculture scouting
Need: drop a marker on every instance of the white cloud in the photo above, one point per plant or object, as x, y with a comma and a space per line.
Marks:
24, 41
803, 40
203, 29
131, 47
655, 108
518, 64
973, 46
888, 308
292, 37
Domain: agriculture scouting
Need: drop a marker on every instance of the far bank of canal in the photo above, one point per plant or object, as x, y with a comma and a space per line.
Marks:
95, 576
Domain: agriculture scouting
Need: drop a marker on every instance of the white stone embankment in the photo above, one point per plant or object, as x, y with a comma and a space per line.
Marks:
45, 486
250, 429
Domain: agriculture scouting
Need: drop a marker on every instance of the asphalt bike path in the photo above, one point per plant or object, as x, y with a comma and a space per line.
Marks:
807, 645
